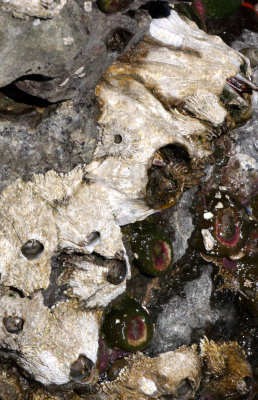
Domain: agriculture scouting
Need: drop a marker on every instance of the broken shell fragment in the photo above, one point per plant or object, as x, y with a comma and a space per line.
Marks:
127, 326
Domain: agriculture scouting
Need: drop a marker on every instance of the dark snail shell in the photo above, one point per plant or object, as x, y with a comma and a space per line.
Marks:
127, 326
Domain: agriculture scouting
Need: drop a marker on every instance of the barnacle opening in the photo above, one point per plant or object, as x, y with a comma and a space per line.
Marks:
81, 368
157, 9
170, 167
118, 39
32, 249
117, 272
13, 324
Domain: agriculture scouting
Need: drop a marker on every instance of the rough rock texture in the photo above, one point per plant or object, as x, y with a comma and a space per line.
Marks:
185, 318
53, 58
43, 138
181, 220
85, 207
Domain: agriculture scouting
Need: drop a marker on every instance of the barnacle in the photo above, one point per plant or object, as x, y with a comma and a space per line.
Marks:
228, 374
176, 374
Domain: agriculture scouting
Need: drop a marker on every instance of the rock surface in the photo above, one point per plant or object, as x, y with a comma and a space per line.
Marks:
52, 58
186, 318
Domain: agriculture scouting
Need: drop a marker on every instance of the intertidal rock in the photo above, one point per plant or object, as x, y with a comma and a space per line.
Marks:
183, 319
59, 47
33, 8
175, 374
160, 110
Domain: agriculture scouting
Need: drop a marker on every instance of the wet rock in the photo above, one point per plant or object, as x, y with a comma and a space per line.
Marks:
181, 221
184, 319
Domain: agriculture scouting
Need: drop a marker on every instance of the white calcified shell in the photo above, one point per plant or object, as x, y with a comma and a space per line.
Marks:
51, 339
144, 97
88, 282
162, 375
33, 8
62, 212
25, 216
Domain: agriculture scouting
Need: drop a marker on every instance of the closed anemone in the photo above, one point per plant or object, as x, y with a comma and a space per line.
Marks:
127, 326
152, 251
224, 225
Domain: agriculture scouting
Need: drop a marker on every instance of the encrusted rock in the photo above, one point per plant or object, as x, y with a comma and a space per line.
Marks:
51, 339
182, 319
175, 373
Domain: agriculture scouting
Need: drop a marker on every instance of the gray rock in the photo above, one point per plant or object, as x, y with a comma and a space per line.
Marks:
180, 219
56, 138
183, 319
53, 58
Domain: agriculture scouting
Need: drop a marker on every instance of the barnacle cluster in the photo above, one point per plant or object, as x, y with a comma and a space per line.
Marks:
140, 165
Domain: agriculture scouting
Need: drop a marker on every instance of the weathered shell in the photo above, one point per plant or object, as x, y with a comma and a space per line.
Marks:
61, 212
152, 97
145, 377
51, 339
25, 216
33, 8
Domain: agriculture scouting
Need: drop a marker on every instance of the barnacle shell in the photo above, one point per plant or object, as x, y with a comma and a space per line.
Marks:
228, 372
87, 279
51, 340
25, 216
33, 8
61, 212
145, 377
152, 96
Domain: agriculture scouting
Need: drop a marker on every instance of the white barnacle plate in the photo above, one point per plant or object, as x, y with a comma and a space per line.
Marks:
25, 216
166, 90
87, 280
51, 339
